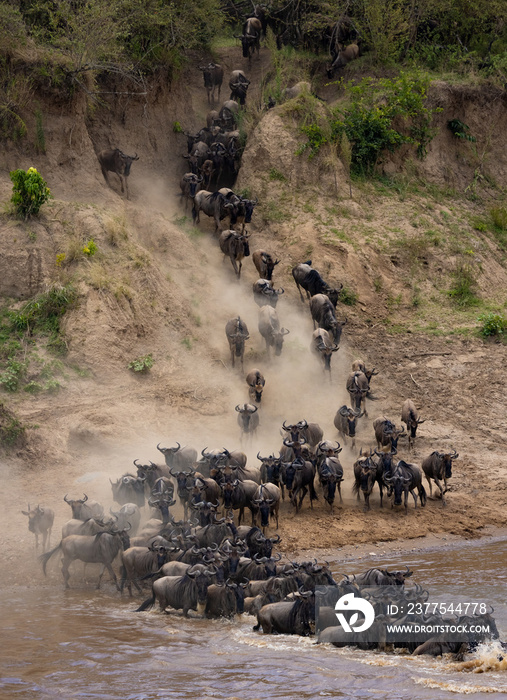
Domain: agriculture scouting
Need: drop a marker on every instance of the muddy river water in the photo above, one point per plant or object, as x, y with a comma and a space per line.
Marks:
87, 644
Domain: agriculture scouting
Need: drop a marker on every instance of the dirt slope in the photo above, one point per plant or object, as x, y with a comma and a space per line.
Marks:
158, 286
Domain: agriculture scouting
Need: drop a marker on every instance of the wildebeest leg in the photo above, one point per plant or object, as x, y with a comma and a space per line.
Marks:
300, 292
437, 482
36, 541
339, 491
111, 573
282, 488
233, 261
65, 571
304, 491
121, 181
381, 493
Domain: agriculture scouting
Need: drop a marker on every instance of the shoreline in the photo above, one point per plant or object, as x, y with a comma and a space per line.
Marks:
368, 550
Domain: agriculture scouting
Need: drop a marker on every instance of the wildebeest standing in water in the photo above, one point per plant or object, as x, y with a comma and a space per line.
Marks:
115, 161
237, 333
40, 522
213, 75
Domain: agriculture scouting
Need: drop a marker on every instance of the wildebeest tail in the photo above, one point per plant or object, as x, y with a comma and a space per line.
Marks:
422, 495
147, 605
44, 558
355, 487
151, 575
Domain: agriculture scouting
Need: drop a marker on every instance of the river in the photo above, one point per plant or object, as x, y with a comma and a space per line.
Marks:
87, 644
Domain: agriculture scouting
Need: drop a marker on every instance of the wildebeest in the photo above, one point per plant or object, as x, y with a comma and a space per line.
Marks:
178, 457
248, 418
235, 245
366, 474
310, 280
323, 347
267, 501
250, 39
358, 387
269, 328
271, 471
138, 562
213, 75
238, 83
298, 477
198, 155
212, 118
245, 211
228, 115
349, 53
264, 263
129, 516
345, 422
438, 466
410, 416
115, 161
386, 433
256, 383
151, 472
187, 592
101, 548
84, 527
265, 294
225, 600
215, 205
129, 489
189, 185
294, 617
331, 476
323, 315
311, 433
207, 171
40, 522
382, 577
237, 495
404, 478
237, 333
83, 508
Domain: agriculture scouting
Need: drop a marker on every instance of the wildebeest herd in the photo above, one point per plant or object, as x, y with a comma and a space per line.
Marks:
206, 561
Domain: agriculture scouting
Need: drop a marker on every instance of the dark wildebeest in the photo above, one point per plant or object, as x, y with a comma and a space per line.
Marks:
267, 502
245, 211
477, 629
294, 617
215, 205
311, 433
307, 277
358, 387
238, 83
235, 245
298, 477
270, 471
213, 75
256, 383
331, 476
248, 418
225, 600
345, 422
324, 316
264, 263
410, 416
237, 333
269, 328
82, 509
179, 457
187, 592
366, 474
404, 478
138, 562
189, 185
129, 489
386, 433
323, 347
101, 548
151, 472
237, 495
115, 161
265, 294
382, 577
251, 37
40, 522
350, 53
228, 115
438, 466
212, 118
198, 155
207, 171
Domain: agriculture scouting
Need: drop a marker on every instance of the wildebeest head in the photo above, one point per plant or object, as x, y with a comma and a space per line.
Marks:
447, 459
76, 505
264, 506
34, 515
272, 466
333, 294
193, 181
351, 416
202, 580
184, 479
247, 205
127, 162
399, 483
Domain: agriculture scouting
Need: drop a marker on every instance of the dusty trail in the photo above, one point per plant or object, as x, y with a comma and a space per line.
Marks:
93, 429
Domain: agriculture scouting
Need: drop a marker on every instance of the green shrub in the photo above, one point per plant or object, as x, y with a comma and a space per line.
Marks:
499, 217
460, 130
141, 364
11, 376
492, 324
29, 192
90, 248
44, 311
275, 174
348, 296
12, 431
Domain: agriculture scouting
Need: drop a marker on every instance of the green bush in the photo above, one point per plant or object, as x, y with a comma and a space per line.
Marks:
348, 296
499, 217
29, 192
90, 248
462, 290
11, 376
44, 311
492, 324
141, 364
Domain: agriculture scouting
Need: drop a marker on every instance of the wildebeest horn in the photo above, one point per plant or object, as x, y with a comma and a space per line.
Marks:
65, 498
136, 460
85, 498
159, 449
288, 443
303, 424
275, 540
284, 331
285, 427
238, 408
454, 455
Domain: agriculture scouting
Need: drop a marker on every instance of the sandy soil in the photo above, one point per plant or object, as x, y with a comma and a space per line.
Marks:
159, 286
